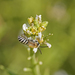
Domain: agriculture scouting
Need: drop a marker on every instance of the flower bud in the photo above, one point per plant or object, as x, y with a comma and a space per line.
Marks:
44, 23
30, 20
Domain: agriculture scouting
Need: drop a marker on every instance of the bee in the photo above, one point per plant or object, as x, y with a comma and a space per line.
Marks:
29, 42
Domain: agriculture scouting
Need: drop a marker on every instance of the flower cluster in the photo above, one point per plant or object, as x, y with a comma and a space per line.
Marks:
34, 30
35, 26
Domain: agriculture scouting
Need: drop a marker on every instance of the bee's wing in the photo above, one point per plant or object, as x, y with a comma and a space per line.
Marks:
23, 35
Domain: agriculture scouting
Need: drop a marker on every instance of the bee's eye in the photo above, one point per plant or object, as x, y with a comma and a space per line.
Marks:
37, 43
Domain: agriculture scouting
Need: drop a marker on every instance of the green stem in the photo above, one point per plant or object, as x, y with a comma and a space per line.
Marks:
35, 66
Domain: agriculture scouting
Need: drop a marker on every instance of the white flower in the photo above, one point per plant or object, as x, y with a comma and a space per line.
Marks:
43, 27
27, 69
30, 38
24, 27
49, 45
29, 58
39, 18
36, 16
40, 62
29, 32
28, 49
35, 50
40, 35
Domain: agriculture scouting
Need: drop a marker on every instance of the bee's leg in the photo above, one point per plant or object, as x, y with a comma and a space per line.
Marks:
40, 50
43, 46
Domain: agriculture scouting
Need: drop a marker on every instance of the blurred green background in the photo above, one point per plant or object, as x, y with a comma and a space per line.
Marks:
58, 60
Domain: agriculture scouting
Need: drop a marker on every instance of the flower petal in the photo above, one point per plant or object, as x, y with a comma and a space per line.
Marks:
49, 45
39, 18
24, 27
40, 35
35, 50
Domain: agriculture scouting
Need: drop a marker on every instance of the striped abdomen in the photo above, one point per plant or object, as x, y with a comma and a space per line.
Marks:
23, 40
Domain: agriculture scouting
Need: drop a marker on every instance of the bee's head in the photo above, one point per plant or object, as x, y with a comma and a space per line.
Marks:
38, 44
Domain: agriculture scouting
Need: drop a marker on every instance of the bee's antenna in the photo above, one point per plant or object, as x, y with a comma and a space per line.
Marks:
40, 50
